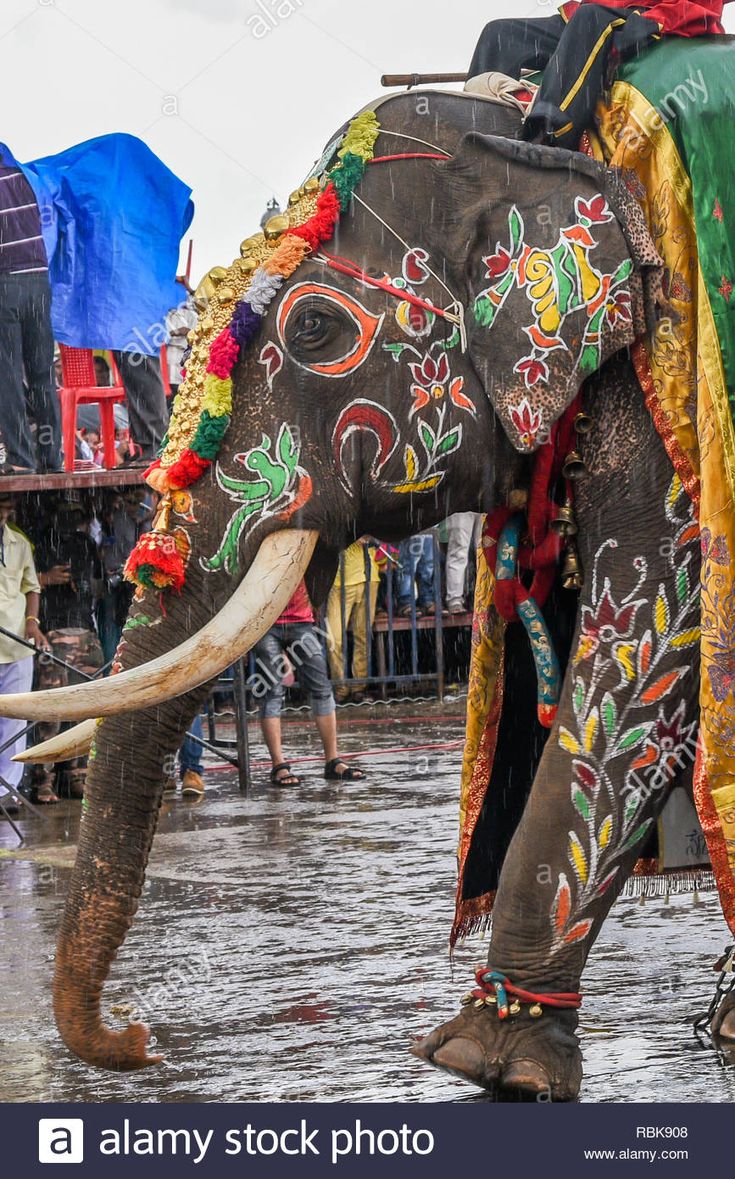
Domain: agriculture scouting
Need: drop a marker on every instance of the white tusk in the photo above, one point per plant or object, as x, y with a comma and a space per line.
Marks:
258, 601
74, 742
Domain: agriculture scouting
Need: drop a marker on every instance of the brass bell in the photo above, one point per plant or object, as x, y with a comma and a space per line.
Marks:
565, 523
491, 1000
251, 244
574, 467
479, 1003
583, 423
515, 1007
225, 295
535, 1010
295, 196
163, 515
312, 185
217, 274
275, 226
571, 570
467, 998
207, 323
246, 266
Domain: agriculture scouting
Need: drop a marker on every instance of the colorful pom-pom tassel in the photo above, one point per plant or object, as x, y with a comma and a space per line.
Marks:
157, 562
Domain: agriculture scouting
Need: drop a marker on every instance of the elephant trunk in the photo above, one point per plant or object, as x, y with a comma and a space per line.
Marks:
125, 782
122, 799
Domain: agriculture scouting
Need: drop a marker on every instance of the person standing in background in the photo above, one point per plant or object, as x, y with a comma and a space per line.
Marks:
146, 402
70, 574
26, 338
179, 322
416, 561
292, 645
463, 530
126, 517
361, 581
19, 612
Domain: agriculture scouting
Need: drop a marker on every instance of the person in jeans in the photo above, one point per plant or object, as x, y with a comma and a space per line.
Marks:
416, 560
26, 338
190, 764
19, 613
292, 646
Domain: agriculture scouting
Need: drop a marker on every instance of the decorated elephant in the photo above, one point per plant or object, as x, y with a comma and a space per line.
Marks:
445, 319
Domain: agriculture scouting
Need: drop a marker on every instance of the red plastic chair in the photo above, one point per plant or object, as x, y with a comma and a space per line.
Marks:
80, 387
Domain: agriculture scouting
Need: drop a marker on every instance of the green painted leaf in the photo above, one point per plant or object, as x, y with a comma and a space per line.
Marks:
632, 738
485, 311
682, 585
453, 341
578, 696
137, 620
450, 441
581, 803
631, 808
288, 448
427, 436
609, 714
516, 227
589, 360
637, 835
623, 271
395, 350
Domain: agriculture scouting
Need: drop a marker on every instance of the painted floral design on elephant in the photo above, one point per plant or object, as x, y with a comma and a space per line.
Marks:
623, 669
557, 282
280, 488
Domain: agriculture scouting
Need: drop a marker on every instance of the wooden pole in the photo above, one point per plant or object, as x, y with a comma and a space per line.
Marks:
420, 79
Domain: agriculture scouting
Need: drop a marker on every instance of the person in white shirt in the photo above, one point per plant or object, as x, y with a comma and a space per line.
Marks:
19, 612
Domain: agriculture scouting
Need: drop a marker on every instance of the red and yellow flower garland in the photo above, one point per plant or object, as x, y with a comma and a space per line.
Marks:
203, 406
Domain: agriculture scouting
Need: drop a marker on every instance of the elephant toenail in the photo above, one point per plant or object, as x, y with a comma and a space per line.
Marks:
726, 1029
527, 1075
462, 1056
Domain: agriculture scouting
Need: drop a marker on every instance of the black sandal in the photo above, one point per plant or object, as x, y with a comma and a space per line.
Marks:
288, 778
349, 773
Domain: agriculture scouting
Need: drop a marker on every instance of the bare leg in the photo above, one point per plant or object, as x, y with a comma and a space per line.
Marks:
327, 729
271, 728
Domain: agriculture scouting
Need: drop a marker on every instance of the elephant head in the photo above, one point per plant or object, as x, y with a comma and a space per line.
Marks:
400, 372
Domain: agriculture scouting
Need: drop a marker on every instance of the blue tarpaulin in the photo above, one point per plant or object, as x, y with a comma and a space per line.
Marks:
113, 216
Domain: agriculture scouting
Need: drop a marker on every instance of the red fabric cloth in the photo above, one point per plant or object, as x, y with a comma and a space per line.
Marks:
680, 18
299, 609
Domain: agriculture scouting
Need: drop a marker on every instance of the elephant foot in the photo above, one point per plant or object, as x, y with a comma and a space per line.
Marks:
520, 1056
723, 1022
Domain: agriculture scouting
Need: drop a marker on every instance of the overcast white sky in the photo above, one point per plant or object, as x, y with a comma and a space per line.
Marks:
239, 117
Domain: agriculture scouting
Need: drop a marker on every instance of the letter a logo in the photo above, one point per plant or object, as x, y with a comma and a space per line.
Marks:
60, 1140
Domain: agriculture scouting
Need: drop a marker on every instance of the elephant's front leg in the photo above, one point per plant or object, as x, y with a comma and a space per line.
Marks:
626, 731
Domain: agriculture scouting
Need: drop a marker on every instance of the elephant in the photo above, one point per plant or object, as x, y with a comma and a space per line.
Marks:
475, 288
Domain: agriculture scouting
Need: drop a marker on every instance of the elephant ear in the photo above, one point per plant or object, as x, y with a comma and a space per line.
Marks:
558, 270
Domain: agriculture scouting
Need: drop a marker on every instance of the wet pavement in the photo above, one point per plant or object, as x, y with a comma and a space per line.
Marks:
290, 945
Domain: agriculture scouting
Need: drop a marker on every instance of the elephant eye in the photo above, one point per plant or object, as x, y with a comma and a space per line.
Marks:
324, 329
310, 328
